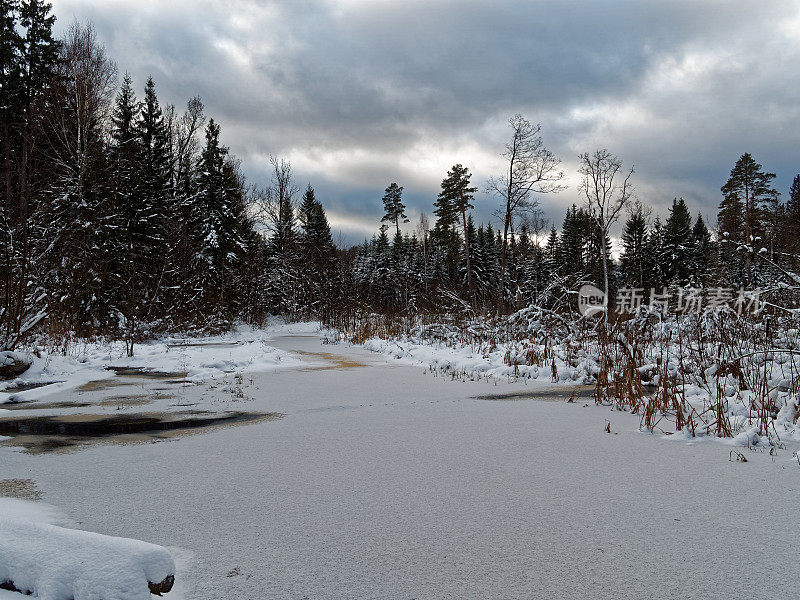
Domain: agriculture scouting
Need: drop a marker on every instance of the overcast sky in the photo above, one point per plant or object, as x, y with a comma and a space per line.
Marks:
360, 93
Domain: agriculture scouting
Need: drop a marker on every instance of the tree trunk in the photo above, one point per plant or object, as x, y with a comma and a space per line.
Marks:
605, 268
747, 234
466, 254
503, 256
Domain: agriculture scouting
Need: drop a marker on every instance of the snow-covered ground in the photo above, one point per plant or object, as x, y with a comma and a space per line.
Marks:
386, 480
473, 362
467, 360
242, 350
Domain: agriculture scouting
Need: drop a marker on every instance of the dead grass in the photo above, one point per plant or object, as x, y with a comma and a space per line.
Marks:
24, 489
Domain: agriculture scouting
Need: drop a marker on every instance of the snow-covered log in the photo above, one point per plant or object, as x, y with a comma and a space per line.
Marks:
13, 364
55, 563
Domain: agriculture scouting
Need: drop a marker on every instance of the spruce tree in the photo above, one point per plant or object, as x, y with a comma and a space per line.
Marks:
130, 270
551, 251
703, 254
39, 48
677, 249
14, 277
315, 235
219, 222
655, 258
730, 224
155, 184
28, 61
633, 262
792, 221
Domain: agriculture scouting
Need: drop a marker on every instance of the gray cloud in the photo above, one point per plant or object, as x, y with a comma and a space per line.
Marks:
361, 93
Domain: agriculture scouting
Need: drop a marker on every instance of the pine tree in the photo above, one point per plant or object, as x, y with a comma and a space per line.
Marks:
155, 178
703, 254
453, 202
218, 225
393, 206
655, 257
677, 249
128, 274
633, 262
749, 187
792, 222
28, 59
730, 223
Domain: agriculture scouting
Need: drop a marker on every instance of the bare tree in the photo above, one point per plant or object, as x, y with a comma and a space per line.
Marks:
606, 190
183, 141
536, 224
274, 205
532, 169
423, 231
87, 77
77, 257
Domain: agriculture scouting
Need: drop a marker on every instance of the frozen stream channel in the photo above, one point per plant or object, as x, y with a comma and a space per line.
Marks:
383, 481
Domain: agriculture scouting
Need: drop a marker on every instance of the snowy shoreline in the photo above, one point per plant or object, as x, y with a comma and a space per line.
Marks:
475, 361
244, 349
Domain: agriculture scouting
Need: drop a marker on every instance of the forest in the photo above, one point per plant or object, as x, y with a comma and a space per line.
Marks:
125, 218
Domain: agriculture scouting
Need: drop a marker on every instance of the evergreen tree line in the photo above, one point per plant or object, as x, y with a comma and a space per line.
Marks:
124, 217
756, 245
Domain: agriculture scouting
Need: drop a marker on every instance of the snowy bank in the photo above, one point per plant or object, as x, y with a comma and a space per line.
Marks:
244, 349
674, 373
473, 362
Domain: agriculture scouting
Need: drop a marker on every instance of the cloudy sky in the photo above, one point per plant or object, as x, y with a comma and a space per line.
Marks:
360, 93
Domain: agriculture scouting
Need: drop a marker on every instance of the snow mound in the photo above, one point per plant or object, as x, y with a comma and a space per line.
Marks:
65, 564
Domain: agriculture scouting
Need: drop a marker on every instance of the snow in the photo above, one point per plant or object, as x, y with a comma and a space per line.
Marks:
65, 564
243, 350
39, 512
56, 563
7, 357
440, 349
392, 481
464, 360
